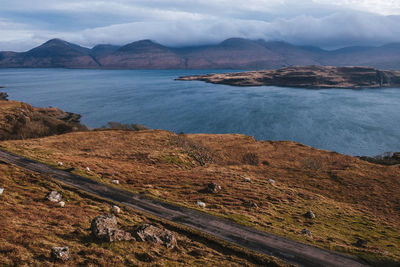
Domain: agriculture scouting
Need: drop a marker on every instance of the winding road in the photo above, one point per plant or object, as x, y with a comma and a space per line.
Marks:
269, 244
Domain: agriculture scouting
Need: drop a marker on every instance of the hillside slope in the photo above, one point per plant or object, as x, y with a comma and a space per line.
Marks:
178, 169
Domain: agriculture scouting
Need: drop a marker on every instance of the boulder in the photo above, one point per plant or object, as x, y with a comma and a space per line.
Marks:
247, 179
250, 204
309, 214
150, 233
1, 191
271, 181
3, 96
213, 188
115, 209
59, 253
201, 204
62, 204
105, 227
306, 232
87, 169
54, 196
115, 181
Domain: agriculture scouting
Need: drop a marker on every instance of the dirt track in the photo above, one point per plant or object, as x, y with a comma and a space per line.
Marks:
269, 244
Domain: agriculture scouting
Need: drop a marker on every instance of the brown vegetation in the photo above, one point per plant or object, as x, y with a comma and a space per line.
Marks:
352, 199
21, 121
30, 226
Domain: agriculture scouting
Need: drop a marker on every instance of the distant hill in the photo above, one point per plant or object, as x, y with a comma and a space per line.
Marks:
233, 53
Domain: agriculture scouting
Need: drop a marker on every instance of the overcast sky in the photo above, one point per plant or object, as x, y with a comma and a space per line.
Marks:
326, 23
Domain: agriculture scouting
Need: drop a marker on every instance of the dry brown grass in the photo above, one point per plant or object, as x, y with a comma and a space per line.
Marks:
30, 226
352, 198
21, 121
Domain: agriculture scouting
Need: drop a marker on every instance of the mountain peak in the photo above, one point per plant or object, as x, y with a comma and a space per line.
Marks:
141, 46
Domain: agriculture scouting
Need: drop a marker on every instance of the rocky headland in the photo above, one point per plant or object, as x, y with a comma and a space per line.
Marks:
314, 77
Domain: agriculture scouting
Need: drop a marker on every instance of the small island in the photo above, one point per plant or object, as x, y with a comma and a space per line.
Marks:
313, 77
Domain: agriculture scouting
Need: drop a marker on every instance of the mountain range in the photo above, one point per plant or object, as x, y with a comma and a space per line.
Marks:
233, 53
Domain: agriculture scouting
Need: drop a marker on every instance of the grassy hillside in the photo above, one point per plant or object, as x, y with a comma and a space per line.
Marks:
30, 226
20, 121
356, 203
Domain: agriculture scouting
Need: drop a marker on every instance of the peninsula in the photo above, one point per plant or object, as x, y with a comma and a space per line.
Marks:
314, 77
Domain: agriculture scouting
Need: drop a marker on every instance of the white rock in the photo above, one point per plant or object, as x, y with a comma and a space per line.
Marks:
61, 203
1, 191
271, 181
247, 179
201, 204
115, 209
115, 181
60, 163
87, 169
54, 196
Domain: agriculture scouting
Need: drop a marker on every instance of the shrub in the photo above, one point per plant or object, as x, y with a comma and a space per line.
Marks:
250, 159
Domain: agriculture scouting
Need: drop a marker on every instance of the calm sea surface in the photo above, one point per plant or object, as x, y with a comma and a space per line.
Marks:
357, 122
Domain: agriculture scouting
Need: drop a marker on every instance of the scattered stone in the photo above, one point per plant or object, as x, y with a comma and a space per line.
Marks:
271, 181
105, 227
115, 209
306, 232
3, 96
1, 191
150, 233
361, 242
60, 163
54, 196
60, 253
87, 169
62, 204
247, 179
309, 214
148, 186
250, 204
201, 204
213, 188
115, 181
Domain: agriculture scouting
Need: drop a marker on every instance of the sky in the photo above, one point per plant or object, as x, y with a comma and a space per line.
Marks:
330, 24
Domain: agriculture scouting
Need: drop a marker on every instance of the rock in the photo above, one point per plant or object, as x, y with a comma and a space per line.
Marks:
148, 186
54, 196
105, 227
250, 204
62, 204
361, 242
115, 181
247, 179
87, 169
150, 233
115, 209
306, 232
117, 235
309, 214
59, 253
59, 164
271, 181
1, 191
201, 204
213, 188
3, 96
